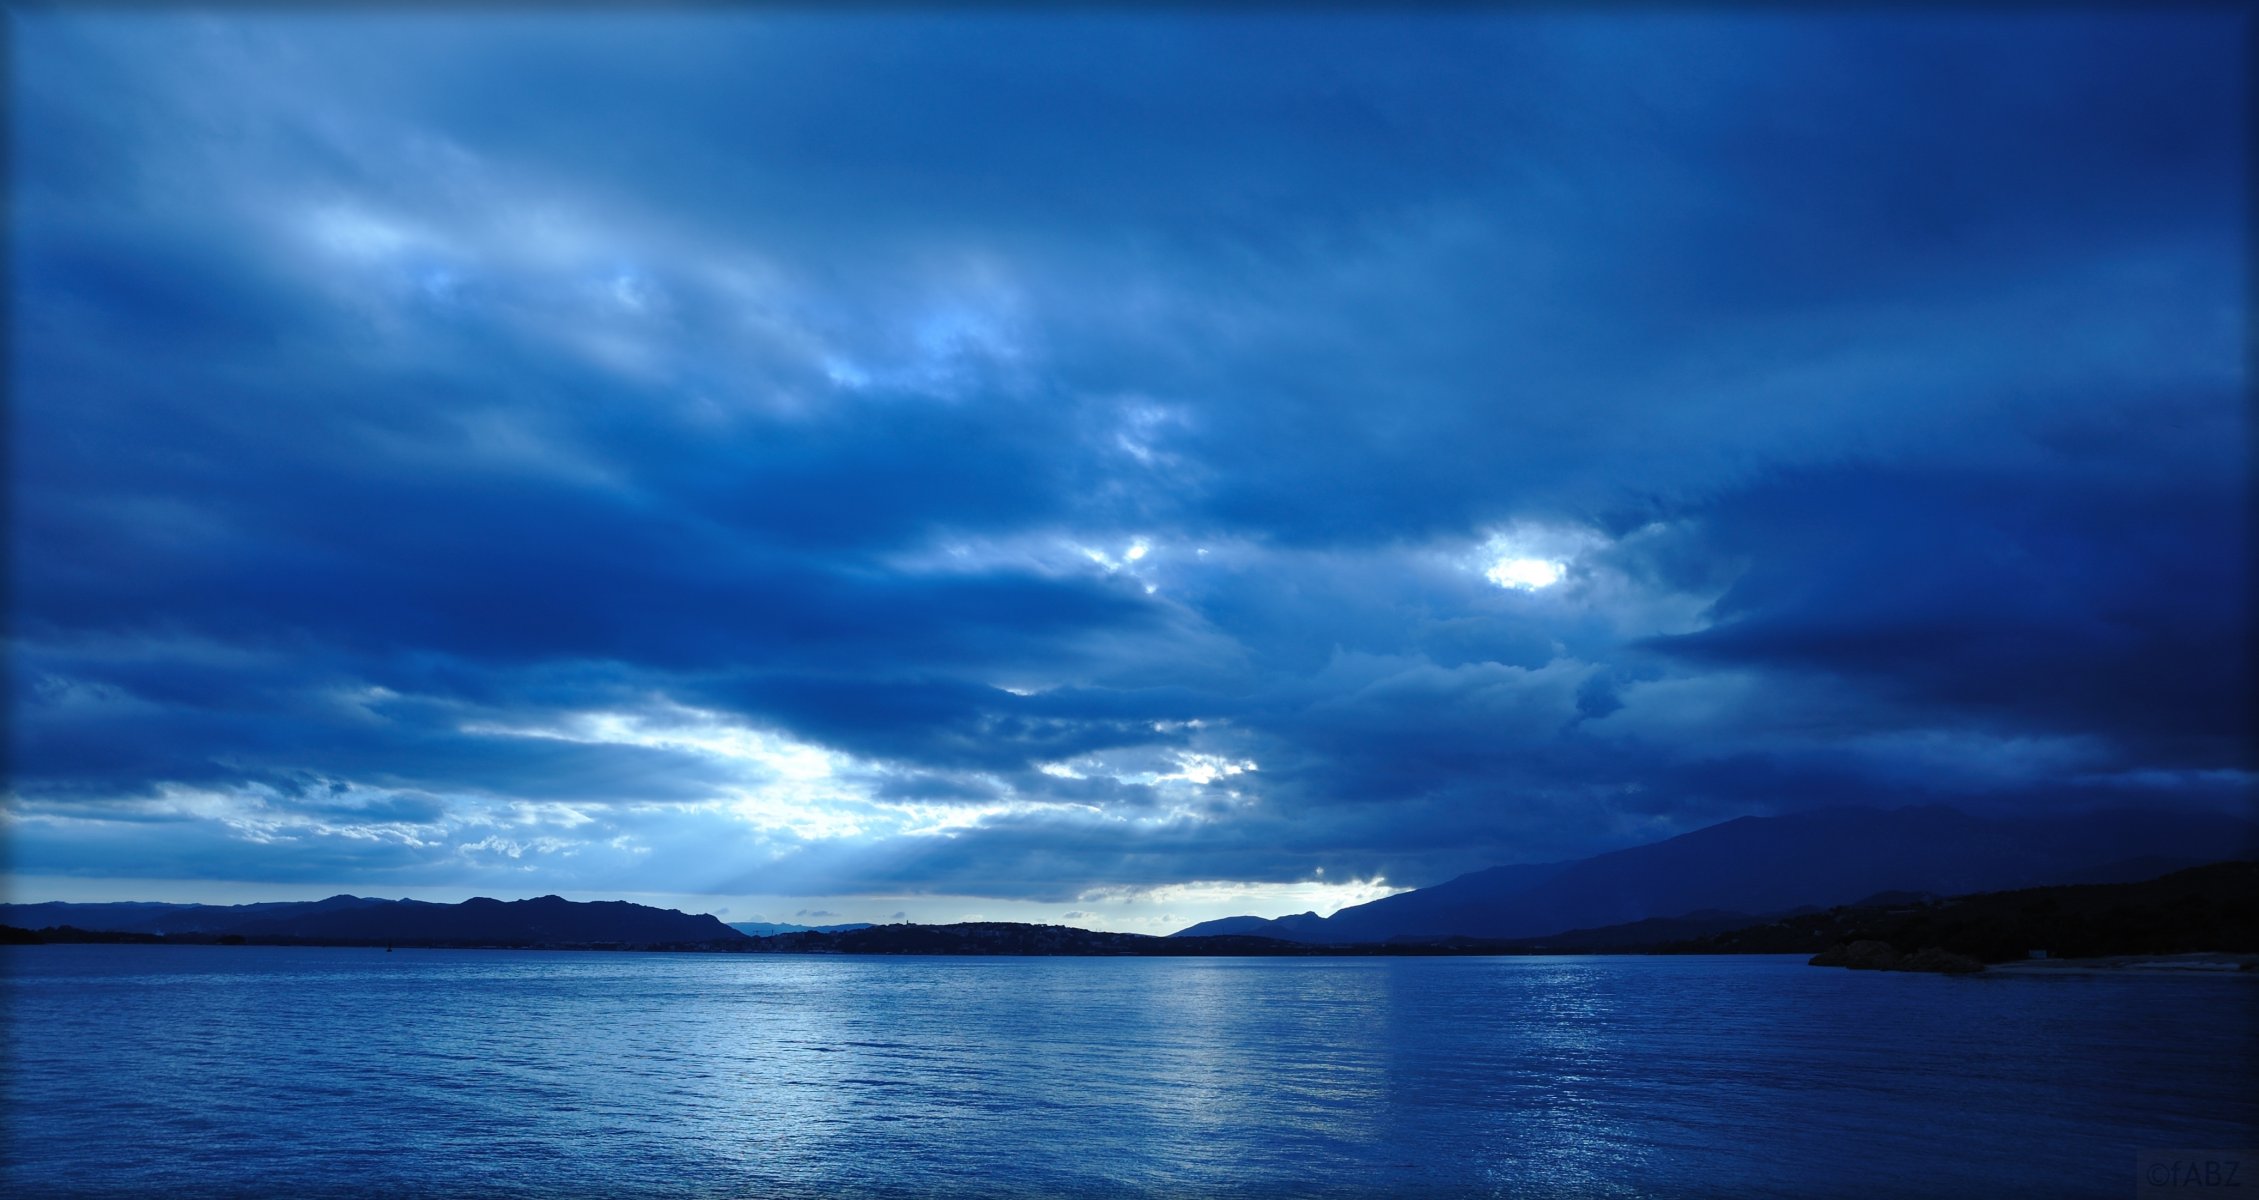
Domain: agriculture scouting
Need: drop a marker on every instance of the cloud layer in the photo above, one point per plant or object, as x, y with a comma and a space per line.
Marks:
1040, 455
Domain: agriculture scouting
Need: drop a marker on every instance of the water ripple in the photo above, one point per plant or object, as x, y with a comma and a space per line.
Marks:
254, 1071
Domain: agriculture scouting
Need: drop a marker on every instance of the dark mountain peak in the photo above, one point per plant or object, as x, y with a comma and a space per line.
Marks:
341, 900
1811, 858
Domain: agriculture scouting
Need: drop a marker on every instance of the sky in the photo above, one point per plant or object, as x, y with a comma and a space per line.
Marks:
1107, 468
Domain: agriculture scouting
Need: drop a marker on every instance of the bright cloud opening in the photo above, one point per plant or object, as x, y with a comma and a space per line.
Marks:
1527, 557
1526, 574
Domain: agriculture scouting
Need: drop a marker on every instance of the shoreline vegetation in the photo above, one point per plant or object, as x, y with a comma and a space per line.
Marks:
2208, 910
2203, 920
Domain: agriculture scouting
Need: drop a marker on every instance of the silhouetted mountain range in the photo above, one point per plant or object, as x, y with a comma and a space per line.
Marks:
357, 920
1730, 876
2208, 908
1758, 867
155, 918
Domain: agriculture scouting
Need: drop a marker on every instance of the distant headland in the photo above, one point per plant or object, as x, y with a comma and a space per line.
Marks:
2213, 908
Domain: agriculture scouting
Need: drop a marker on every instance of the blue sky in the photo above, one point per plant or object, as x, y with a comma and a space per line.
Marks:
1119, 468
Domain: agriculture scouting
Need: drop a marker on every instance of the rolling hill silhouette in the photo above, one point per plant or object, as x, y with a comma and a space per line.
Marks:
1761, 866
541, 921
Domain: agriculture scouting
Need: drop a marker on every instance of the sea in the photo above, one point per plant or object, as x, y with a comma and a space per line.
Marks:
247, 1071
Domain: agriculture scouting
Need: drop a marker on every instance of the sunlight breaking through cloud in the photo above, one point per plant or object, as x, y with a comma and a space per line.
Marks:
908, 486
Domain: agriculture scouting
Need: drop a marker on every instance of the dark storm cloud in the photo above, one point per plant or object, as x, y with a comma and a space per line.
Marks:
2074, 605
453, 444
88, 730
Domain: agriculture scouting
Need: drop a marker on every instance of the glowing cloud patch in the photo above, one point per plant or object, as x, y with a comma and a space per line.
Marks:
1208, 768
1528, 557
1525, 574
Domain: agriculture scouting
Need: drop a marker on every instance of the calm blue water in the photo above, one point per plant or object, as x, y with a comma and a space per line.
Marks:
192, 1071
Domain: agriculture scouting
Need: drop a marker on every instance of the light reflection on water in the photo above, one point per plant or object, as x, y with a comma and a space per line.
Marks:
311, 1072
